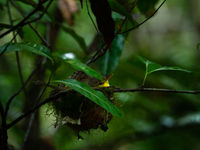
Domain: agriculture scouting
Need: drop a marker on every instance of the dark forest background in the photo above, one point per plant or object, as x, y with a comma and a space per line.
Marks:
155, 64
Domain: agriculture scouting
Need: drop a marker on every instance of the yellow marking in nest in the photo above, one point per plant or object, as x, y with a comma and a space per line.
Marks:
106, 82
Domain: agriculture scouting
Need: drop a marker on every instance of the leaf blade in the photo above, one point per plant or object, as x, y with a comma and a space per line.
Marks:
30, 47
77, 64
154, 67
95, 96
110, 60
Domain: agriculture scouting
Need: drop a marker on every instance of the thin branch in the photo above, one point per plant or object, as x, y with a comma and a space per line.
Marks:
7, 45
25, 22
1, 112
94, 57
138, 25
119, 90
33, 114
88, 11
18, 91
35, 108
20, 70
40, 16
15, 40
3, 130
30, 25
126, 18
21, 23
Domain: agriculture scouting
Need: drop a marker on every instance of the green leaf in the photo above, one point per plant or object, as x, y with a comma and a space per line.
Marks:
78, 38
95, 96
154, 67
147, 6
110, 60
28, 2
117, 7
30, 47
77, 64
45, 17
32, 3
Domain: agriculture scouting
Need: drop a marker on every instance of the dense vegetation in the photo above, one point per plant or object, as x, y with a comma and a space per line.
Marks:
99, 74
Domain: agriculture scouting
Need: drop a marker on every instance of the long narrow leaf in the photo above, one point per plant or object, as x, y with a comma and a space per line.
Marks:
77, 64
95, 96
30, 47
110, 60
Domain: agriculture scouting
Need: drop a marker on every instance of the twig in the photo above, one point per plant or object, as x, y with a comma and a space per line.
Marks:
30, 25
7, 45
33, 114
41, 15
17, 54
124, 21
94, 57
35, 108
23, 22
119, 90
19, 69
138, 25
18, 91
3, 130
88, 11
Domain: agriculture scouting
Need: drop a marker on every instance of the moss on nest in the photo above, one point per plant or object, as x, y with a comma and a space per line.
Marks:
80, 113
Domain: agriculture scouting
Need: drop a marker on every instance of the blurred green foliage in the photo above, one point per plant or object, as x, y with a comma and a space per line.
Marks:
149, 120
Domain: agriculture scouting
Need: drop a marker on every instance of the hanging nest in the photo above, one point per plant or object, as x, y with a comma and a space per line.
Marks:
78, 112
